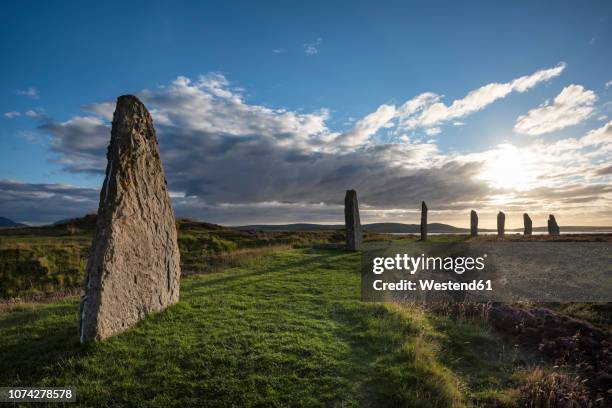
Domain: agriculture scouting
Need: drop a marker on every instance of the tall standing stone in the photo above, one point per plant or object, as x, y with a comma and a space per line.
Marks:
351, 220
501, 224
423, 221
553, 227
528, 224
134, 265
473, 223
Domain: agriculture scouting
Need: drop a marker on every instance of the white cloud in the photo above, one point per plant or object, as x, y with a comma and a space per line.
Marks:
28, 136
608, 84
278, 51
313, 47
433, 131
33, 114
602, 135
104, 109
30, 92
210, 105
573, 105
480, 98
367, 127
12, 114
427, 111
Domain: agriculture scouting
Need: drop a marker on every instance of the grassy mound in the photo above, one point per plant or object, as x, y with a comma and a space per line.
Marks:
286, 330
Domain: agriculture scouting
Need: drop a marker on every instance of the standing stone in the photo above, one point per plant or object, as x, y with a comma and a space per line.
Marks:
553, 227
352, 222
473, 223
501, 224
423, 221
528, 224
134, 265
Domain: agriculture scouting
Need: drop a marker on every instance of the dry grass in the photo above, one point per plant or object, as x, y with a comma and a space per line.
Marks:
472, 311
551, 389
238, 257
28, 302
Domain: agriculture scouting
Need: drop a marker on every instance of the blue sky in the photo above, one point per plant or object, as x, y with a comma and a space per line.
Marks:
341, 61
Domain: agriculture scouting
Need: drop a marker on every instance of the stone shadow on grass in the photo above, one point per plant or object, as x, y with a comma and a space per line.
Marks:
218, 284
32, 342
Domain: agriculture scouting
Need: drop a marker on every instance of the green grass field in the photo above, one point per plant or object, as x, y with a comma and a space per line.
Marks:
285, 330
49, 260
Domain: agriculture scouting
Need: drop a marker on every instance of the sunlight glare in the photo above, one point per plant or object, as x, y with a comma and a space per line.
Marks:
509, 167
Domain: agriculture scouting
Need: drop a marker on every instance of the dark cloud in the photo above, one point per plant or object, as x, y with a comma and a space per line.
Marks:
230, 162
219, 151
569, 192
604, 171
45, 203
80, 143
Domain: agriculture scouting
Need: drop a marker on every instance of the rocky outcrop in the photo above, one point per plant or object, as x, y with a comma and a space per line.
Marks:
501, 224
134, 267
423, 221
553, 227
354, 235
527, 224
473, 223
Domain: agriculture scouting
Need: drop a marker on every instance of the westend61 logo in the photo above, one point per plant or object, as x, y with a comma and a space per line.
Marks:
411, 264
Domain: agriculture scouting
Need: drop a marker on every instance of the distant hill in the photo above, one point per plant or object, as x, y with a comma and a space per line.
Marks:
87, 223
291, 227
399, 228
569, 228
381, 227
5, 222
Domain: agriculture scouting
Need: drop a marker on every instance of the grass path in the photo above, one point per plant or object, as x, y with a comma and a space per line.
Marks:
287, 330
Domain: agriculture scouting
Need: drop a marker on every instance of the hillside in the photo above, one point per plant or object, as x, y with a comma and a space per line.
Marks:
383, 228
290, 227
400, 228
287, 330
5, 222
393, 227
47, 259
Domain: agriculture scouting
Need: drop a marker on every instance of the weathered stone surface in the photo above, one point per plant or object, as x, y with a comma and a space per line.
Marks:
528, 224
473, 223
553, 227
351, 219
501, 224
134, 266
423, 221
